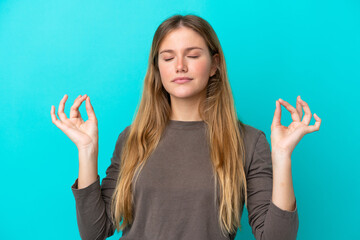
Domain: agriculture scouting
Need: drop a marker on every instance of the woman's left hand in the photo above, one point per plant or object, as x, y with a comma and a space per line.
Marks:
284, 139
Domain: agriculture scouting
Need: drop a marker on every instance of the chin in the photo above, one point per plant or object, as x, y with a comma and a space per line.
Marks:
184, 94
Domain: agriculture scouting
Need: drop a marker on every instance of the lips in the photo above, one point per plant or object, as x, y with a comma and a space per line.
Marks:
182, 79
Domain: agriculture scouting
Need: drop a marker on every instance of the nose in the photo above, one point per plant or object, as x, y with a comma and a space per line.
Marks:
181, 65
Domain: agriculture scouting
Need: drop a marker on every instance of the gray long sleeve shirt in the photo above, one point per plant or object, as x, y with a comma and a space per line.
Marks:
174, 194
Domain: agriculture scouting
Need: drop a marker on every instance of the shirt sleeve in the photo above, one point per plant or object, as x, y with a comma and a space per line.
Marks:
93, 202
268, 222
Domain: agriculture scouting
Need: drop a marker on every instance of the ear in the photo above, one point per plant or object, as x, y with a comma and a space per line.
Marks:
214, 64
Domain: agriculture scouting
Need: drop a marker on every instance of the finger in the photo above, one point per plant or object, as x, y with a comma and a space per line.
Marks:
307, 117
90, 110
277, 115
298, 107
316, 126
56, 121
74, 114
74, 110
61, 113
291, 109
77, 112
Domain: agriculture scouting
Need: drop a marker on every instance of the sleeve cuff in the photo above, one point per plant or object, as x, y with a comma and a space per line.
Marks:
87, 190
282, 213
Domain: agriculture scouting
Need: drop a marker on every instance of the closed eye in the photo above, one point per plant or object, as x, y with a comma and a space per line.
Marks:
166, 60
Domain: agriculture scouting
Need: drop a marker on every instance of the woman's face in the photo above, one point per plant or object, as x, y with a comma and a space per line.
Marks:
184, 53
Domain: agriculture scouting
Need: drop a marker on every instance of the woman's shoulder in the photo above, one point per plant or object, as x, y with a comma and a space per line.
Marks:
249, 133
126, 130
255, 141
122, 135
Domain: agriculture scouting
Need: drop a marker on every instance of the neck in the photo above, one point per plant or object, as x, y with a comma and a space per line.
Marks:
185, 109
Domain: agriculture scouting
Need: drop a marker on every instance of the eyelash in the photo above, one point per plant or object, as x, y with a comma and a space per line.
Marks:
166, 60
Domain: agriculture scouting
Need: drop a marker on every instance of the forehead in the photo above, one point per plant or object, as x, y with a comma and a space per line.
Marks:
182, 38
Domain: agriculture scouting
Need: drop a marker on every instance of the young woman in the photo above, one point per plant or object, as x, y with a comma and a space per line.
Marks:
186, 165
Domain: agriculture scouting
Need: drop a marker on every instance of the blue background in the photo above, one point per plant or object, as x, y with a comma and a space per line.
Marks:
274, 49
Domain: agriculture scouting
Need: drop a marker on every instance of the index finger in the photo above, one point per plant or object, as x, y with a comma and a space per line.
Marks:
61, 113
291, 109
56, 121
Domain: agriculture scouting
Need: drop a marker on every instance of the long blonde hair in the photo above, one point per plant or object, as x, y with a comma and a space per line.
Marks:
224, 131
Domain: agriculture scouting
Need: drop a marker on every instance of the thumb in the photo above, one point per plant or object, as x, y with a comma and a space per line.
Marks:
277, 115
89, 109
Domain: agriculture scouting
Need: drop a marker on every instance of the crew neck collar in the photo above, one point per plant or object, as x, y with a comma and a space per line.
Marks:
186, 124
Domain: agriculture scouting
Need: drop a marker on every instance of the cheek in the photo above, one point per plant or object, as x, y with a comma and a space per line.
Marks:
165, 72
200, 68
165, 76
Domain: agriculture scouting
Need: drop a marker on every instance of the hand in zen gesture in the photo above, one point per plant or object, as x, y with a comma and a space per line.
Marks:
83, 134
284, 139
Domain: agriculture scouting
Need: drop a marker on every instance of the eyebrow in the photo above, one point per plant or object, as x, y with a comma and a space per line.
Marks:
186, 49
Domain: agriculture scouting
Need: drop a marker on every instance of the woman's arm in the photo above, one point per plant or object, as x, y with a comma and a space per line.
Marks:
271, 202
93, 202
283, 141
283, 194
267, 220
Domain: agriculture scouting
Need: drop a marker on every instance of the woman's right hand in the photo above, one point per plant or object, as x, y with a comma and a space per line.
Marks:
83, 134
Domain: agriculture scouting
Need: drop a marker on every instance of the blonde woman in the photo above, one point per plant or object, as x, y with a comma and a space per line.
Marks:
186, 165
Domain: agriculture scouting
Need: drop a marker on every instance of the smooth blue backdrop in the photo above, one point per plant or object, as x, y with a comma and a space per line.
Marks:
274, 49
